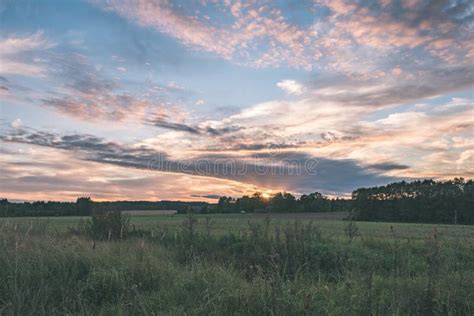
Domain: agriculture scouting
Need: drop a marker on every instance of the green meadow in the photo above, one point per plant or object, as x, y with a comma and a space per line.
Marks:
236, 264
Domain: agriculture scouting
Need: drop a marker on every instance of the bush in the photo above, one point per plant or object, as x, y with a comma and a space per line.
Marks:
107, 225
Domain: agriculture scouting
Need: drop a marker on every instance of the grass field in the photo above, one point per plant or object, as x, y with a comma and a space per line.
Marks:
329, 223
278, 264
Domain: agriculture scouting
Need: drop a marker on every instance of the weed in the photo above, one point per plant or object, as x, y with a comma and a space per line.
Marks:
351, 230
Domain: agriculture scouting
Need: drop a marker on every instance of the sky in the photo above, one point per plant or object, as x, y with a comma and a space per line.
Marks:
190, 100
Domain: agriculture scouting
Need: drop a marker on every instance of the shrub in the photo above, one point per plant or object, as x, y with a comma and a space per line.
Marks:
107, 225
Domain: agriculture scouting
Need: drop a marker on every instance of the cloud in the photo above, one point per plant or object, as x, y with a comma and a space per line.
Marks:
15, 54
85, 93
387, 166
345, 35
161, 15
297, 172
160, 122
291, 87
251, 26
16, 123
208, 196
429, 82
219, 131
58, 175
17, 44
455, 105
97, 107
204, 128
420, 23
325, 126
397, 71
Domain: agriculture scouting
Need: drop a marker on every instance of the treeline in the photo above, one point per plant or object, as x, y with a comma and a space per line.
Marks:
428, 201
38, 208
84, 206
281, 202
425, 201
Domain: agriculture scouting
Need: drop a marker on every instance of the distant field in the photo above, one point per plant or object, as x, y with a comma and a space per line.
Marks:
149, 213
330, 223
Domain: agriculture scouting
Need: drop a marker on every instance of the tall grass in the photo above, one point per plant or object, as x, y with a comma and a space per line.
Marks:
269, 268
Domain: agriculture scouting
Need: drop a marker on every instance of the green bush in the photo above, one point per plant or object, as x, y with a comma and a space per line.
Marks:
107, 225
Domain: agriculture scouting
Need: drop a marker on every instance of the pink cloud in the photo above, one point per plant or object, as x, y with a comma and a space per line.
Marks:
12, 48
260, 36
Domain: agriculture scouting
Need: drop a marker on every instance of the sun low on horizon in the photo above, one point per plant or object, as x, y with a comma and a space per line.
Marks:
192, 100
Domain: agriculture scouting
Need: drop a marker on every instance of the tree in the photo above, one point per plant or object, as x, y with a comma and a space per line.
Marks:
250, 203
226, 204
425, 201
283, 202
314, 202
4, 207
84, 206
